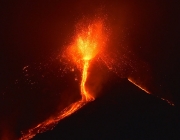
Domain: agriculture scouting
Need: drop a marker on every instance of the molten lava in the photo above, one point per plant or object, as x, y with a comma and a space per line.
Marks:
144, 89
85, 95
87, 44
130, 80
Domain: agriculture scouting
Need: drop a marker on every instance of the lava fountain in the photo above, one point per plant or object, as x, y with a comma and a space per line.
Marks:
87, 44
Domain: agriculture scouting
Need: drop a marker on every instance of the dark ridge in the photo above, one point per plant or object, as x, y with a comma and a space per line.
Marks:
122, 112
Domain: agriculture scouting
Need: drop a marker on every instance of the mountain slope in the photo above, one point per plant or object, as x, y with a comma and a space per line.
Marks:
122, 112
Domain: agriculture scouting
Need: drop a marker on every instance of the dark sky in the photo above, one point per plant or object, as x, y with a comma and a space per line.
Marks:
34, 32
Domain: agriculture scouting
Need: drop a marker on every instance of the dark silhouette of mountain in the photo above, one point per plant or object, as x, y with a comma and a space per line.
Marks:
123, 112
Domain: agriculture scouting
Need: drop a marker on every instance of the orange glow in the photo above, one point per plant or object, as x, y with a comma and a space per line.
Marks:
87, 43
86, 46
130, 80
85, 95
168, 101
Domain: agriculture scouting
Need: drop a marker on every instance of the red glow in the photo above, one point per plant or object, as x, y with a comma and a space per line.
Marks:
87, 44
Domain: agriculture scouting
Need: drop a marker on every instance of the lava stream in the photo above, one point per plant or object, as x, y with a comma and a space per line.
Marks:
87, 44
85, 95
130, 80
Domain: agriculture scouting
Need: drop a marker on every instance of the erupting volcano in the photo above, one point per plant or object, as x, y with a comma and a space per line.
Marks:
87, 44
89, 70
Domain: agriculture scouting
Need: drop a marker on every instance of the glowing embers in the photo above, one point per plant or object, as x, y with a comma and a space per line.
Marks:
87, 44
86, 48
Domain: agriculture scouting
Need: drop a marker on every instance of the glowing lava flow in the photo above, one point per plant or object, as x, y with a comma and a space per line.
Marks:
85, 95
130, 80
168, 101
87, 44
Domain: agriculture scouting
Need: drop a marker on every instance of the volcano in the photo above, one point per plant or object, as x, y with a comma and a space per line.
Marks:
123, 112
143, 45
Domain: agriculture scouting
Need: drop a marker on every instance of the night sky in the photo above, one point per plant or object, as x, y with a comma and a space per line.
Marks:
33, 33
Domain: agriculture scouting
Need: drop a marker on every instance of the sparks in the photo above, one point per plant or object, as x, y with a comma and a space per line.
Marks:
86, 46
